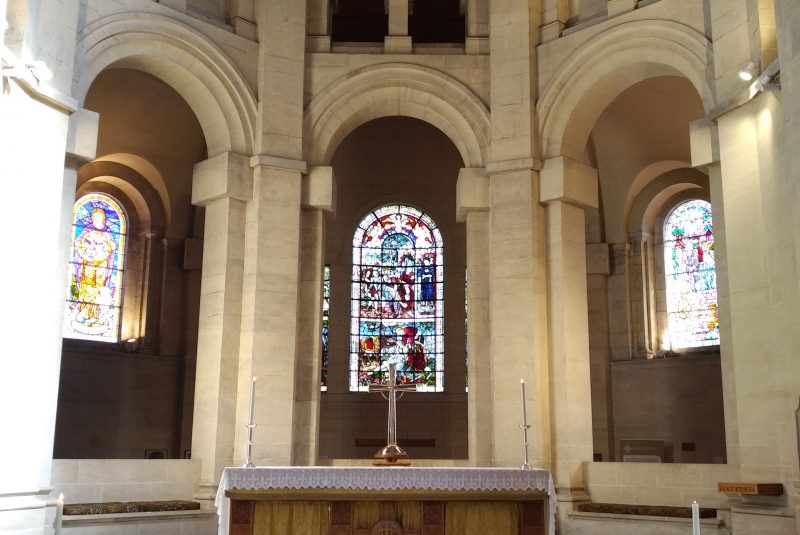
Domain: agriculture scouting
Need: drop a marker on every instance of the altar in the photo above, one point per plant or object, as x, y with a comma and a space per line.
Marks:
385, 501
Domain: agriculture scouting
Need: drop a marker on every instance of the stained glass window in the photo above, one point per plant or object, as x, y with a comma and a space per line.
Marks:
691, 276
326, 314
397, 300
97, 258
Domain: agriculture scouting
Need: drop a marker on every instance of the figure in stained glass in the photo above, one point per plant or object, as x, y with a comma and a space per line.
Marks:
397, 300
95, 274
690, 271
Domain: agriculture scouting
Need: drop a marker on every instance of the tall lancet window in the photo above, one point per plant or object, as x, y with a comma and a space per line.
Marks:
397, 311
97, 258
691, 276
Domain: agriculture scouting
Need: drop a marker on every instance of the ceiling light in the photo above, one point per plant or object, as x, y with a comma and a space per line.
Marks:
748, 73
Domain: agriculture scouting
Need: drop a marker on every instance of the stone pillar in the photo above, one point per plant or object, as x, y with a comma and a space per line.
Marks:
398, 41
555, 14
619, 309
318, 26
477, 40
269, 334
567, 187
472, 206
241, 15
223, 185
268, 347
518, 290
318, 199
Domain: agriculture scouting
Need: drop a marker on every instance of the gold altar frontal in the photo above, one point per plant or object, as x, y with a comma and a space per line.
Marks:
407, 512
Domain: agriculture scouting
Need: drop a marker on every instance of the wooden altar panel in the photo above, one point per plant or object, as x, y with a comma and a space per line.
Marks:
242, 517
341, 518
432, 518
532, 520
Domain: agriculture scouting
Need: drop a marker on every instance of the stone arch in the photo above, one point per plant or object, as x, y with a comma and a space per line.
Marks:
660, 193
392, 90
198, 70
574, 99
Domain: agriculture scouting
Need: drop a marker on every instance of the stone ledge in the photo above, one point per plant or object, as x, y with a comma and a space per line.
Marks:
661, 511
105, 508
705, 523
115, 518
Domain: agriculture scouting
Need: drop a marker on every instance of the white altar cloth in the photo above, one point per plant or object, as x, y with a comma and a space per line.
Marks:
383, 479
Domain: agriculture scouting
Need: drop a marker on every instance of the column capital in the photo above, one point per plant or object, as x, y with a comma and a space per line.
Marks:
516, 164
472, 191
82, 135
704, 142
278, 162
224, 175
566, 180
319, 188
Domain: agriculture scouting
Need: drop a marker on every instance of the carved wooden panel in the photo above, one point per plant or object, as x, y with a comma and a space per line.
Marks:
532, 520
432, 518
341, 518
242, 512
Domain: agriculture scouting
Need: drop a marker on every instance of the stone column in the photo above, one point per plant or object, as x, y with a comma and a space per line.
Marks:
472, 206
268, 343
516, 239
555, 14
223, 185
318, 198
619, 310
241, 15
398, 41
270, 310
567, 187
477, 40
318, 26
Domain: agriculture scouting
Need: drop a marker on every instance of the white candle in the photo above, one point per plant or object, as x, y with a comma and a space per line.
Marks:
59, 514
695, 518
524, 414
252, 401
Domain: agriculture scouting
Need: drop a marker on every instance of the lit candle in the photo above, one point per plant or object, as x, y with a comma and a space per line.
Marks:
695, 518
252, 401
524, 414
59, 514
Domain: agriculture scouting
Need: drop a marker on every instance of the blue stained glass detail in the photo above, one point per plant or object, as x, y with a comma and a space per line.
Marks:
691, 279
398, 306
97, 260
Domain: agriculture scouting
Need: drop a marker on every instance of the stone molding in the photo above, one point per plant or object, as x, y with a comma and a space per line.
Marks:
472, 192
278, 162
82, 135
226, 175
190, 63
563, 179
566, 113
396, 89
517, 164
319, 189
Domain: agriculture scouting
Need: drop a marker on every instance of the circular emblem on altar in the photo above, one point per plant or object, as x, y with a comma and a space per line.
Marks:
386, 527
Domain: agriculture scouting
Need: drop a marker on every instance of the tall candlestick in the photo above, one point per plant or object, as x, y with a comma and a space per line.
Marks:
525, 464
59, 514
250, 425
695, 518
252, 401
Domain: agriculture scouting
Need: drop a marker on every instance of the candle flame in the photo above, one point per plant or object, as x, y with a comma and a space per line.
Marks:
522, 381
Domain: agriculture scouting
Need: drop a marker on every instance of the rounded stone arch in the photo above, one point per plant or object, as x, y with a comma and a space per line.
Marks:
396, 89
631, 52
192, 65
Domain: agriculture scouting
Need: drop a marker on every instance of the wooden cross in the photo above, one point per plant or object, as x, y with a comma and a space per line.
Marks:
391, 452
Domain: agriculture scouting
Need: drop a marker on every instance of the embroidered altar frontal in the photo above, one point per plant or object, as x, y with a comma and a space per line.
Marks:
385, 501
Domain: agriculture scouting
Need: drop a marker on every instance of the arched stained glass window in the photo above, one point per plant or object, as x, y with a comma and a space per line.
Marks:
691, 276
97, 258
397, 300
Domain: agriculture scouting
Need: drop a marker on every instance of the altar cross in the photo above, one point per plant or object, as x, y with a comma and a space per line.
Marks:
391, 452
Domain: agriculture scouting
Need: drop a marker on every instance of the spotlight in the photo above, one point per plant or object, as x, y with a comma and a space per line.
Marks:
130, 345
748, 73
